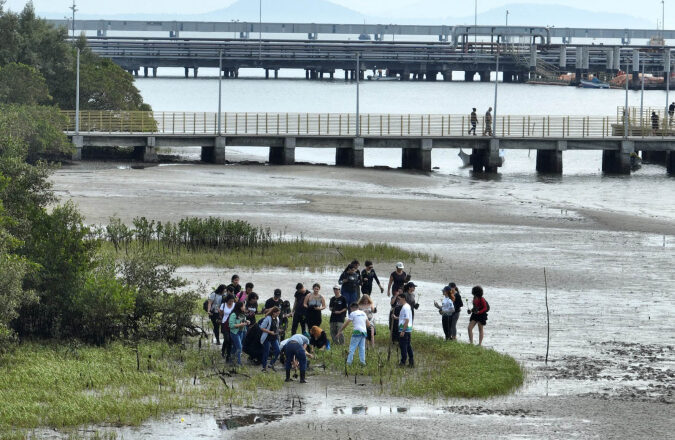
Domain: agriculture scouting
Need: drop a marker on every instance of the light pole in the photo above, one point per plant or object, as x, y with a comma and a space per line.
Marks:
77, 95
668, 72
220, 88
507, 17
475, 21
358, 75
494, 115
259, 29
642, 97
626, 110
74, 9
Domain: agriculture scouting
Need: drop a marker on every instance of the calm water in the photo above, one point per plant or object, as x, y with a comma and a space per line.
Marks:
582, 184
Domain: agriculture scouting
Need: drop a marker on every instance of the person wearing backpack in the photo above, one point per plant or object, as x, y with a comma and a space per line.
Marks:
478, 314
269, 338
226, 309
446, 309
212, 308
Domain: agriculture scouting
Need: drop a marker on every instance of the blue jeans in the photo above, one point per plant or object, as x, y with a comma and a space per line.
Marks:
358, 341
406, 348
293, 349
270, 341
350, 297
237, 345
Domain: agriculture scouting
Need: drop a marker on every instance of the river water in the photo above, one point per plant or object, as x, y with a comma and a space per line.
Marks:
607, 243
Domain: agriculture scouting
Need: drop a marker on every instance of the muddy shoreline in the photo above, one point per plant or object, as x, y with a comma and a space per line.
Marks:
610, 373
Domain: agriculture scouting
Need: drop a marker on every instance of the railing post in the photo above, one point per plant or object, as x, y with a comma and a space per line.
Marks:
236, 123
278, 119
401, 125
307, 122
388, 124
340, 124
408, 124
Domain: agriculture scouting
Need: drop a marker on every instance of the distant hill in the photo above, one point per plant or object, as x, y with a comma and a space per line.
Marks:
298, 11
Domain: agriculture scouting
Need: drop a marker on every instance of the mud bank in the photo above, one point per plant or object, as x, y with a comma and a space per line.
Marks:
611, 363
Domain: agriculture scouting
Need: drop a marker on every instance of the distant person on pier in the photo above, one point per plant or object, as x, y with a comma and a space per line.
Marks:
671, 113
478, 314
655, 122
474, 122
487, 130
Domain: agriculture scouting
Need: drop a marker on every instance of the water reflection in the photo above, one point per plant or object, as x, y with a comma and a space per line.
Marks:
235, 422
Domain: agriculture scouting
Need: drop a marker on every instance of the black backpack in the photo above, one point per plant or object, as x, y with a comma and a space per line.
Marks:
487, 305
205, 306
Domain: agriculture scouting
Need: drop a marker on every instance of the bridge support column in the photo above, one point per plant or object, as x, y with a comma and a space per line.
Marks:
147, 153
468, 76
276, 73
145, 71
447, 75
670, 163
196, 72
215, 154
636, 69
485, 76
267, 73
154, 72
283, 155
618, 161
551, 161
488, 159
78, 144
417, 157
351, 156
187, 72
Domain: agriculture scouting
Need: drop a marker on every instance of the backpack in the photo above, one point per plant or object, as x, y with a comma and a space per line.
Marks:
205, 306
487, 305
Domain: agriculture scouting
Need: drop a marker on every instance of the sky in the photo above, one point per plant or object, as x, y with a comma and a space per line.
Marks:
648, 9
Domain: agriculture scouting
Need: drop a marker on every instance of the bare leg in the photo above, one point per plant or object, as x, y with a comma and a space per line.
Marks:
480, 334
472, 324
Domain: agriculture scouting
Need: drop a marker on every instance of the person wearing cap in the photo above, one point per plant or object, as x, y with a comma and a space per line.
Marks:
405, 325
338, 310
396, 279
446, 309
275, 301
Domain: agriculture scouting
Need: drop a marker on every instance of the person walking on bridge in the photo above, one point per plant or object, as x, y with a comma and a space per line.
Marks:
655, 122
671, 113
474, 122
487, 130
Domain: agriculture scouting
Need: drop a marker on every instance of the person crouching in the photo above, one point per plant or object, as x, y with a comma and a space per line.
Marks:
295, 351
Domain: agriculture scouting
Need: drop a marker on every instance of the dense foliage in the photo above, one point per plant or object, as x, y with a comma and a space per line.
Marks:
41, 68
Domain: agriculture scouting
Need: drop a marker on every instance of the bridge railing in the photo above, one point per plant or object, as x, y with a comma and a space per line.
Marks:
345, 124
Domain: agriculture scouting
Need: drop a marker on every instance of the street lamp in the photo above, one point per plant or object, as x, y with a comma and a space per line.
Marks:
494, 115
507, 17
220, 88
74, 9
358, 75
259, 29
77, 95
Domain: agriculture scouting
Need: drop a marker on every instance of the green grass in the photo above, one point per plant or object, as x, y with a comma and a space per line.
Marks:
62, 386
296, 254
443, 369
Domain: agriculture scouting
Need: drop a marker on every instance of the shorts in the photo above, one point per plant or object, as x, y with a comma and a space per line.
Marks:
480, 318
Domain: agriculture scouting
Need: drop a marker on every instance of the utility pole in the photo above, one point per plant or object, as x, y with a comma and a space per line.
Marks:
74, 9
358, 76
507, 17
626, 109
77, 95
494, 115
220, 88
259, 29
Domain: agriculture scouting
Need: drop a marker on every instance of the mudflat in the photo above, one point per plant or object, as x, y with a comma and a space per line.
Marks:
612, 349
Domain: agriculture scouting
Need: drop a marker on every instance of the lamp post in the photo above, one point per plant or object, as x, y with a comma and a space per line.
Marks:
626, 110
220, 89
507, 17
74, 9
77, 95
494, 115
259, 29
358, 75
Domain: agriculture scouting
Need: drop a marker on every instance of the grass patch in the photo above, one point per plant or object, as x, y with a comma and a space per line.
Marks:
292, 254
62, 386
443, 369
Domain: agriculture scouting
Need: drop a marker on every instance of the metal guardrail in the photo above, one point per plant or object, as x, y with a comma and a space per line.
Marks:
344, 125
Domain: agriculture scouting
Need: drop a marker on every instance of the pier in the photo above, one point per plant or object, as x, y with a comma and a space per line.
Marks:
416, 135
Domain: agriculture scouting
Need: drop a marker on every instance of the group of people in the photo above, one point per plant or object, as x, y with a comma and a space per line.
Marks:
244, 327
487, 122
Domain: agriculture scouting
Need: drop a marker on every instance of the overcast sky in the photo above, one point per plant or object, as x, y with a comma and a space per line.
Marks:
649, 9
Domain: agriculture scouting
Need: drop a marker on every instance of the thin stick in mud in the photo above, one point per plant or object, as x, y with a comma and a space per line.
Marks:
548, 317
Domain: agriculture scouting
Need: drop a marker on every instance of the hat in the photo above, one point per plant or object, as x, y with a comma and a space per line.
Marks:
336, 287
277, 292
399, 265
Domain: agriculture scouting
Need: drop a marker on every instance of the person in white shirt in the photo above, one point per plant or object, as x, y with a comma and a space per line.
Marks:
226, 307
361, 326
446, 309
405, 324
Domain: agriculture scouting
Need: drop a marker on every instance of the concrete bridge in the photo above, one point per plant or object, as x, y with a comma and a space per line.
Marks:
415, 135
454, 34
404, 60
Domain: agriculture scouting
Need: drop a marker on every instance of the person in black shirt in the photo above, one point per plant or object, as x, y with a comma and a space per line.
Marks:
351, 280
338, 311
299, 310
367, 276
318, 338
396, 279
252, 309
275, 301
458, 303
236, 287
